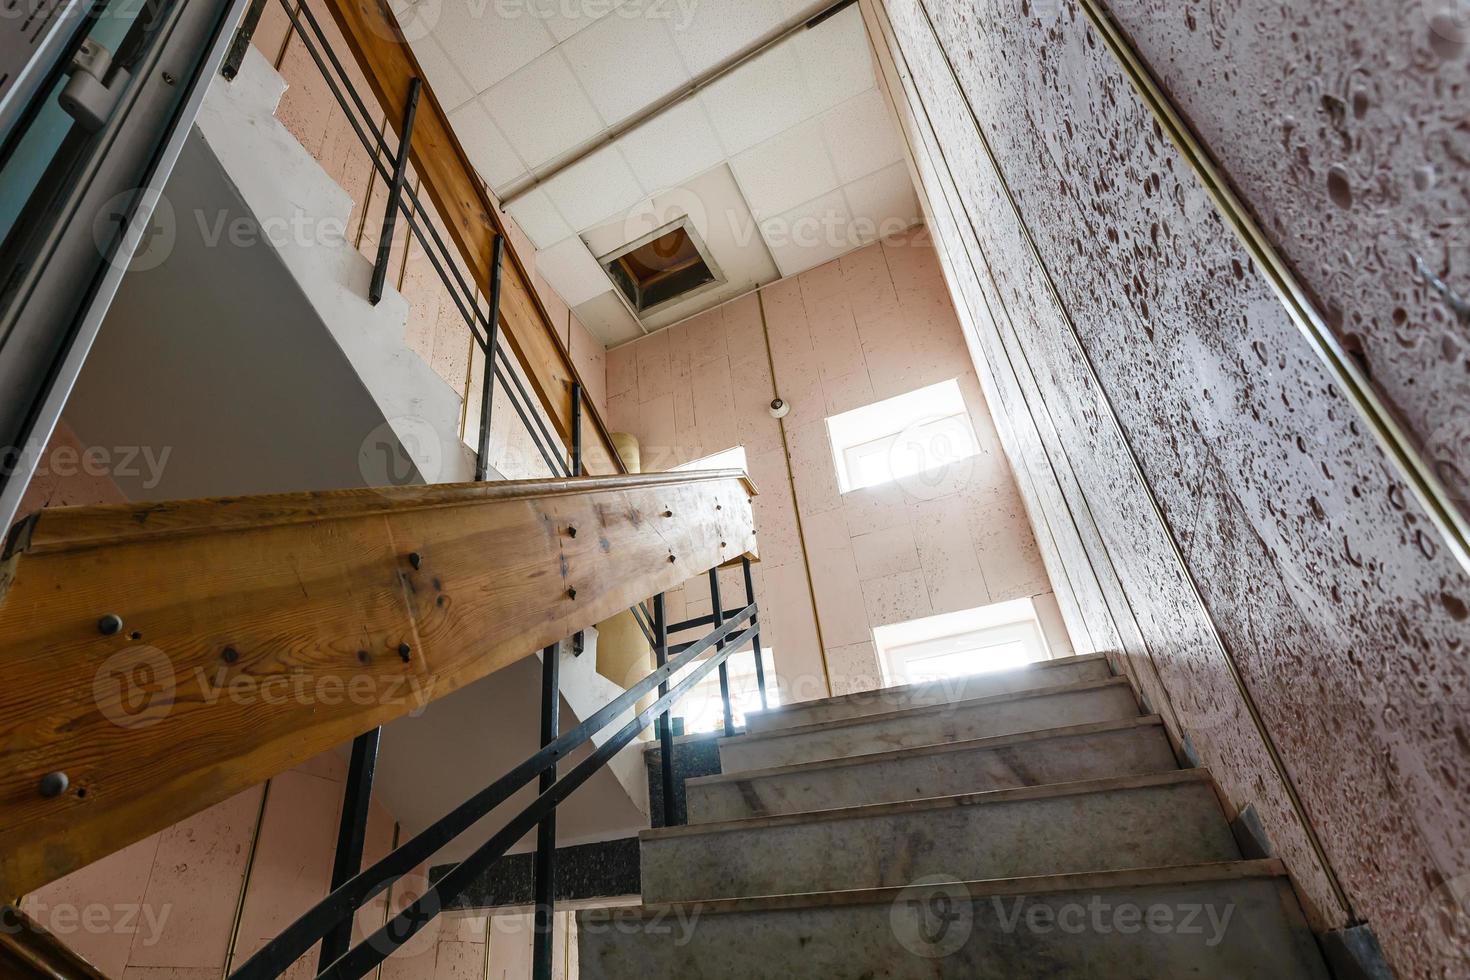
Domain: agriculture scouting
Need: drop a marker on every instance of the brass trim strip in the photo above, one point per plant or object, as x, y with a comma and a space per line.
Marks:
265, 792
1396, 443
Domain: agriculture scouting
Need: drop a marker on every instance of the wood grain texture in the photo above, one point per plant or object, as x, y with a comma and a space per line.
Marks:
384, 56
260, 631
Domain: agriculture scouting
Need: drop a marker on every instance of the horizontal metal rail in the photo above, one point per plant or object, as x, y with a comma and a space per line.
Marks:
278, 955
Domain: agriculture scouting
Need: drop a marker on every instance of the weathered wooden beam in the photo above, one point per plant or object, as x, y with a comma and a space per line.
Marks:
373, 34
251, 634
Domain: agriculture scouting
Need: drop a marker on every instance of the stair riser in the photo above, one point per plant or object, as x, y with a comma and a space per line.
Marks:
958, 689
1249, 929
1134, 751
1112, 703
1155, 826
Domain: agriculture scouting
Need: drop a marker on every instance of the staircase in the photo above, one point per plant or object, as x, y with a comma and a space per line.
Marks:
1031, 823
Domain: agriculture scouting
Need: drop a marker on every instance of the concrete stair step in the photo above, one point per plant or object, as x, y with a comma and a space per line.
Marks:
1045, 673
1003, 714
1095, 825
1130, 747
1225, 921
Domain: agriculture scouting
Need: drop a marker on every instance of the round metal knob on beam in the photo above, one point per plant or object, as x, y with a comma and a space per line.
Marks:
53, 784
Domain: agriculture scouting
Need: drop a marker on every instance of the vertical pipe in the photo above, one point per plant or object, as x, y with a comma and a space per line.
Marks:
576, 429
395, 194
545, 867
719, 618
755, 641
487, 383
670, 815
351, 834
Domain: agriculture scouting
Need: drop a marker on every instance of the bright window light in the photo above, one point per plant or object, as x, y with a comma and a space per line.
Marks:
973, 641
702, 708
725, 459
911, 433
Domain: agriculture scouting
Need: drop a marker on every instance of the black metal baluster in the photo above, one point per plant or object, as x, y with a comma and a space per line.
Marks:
487, 383
760, 667
241, 43
395, 194
670, 814
545, 866
576, 429
351, 834
719, 618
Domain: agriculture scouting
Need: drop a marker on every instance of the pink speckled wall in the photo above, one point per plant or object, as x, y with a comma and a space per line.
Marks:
871, 325
1208, 497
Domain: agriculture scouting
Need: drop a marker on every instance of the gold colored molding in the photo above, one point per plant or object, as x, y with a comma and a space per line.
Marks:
1396, 443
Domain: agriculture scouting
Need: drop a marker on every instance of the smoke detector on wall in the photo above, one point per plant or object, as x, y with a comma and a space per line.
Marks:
780, 408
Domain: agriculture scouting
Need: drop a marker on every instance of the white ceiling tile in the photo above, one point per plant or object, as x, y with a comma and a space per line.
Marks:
567, 17
572, 271
714, 30
448, 84
607, 319
862, 136
539, 218
759, 99
626, 63
489, 41
835, 59
594, 189
488, 149
806, 236
883, 203
785, 170
542, 110
672, 147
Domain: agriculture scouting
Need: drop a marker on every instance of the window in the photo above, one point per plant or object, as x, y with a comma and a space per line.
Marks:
727, 459
702, 708
974, 641
917, 432
666, 265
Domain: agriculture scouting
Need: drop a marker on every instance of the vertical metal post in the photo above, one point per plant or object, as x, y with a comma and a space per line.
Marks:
576, 429
395, 194
492, 337
719, 617
545, 866
665, 720
241, 43
755, 641
351, 833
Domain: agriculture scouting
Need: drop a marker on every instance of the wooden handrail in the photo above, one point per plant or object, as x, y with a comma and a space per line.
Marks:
164, 657
378, 45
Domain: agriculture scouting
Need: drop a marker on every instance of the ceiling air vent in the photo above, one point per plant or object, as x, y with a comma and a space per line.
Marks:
662, 267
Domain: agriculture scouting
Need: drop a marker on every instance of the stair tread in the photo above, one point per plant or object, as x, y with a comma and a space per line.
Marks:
936, 748
928, 709
858, 697
1035, 885
1178, 777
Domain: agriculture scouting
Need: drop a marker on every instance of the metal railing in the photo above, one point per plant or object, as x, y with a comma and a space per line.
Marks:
330, 921
675, 675
405, 203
